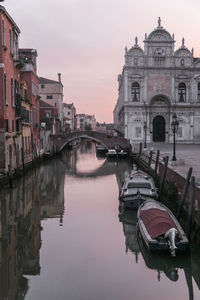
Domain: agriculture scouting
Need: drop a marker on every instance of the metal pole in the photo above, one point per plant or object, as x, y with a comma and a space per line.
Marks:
174, 148
145, 134
145, 138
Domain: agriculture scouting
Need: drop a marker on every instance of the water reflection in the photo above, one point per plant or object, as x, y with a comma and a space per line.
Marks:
52, 190
83, 163
20, 237
129, 221
38, 195
99, 234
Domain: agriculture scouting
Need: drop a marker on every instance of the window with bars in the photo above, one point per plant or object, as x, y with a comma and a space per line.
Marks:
5, 88
182, 92
12, 92
11, 42
17, 125
6, 125
135, 91
13, 126
3, 34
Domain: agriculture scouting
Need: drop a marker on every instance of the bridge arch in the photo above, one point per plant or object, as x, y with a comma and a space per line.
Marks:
108, 141
84, 137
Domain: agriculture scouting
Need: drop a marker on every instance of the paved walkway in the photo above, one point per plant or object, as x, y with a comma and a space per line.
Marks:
187, 156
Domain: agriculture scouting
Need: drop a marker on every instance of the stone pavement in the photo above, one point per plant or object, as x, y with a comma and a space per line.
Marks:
187, 156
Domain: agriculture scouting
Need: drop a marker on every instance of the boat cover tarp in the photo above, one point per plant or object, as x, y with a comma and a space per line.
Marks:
157, 221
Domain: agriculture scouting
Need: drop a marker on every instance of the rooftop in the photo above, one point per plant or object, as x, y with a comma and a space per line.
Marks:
45, 104
47, 81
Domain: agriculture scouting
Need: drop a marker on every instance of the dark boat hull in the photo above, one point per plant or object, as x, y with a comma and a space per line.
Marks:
160, 243
132, 202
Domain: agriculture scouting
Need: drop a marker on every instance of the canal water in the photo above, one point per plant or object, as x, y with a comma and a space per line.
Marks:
62, 236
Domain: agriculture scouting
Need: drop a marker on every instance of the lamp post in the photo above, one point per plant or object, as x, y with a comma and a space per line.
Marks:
145, 134
174, 126
145, 125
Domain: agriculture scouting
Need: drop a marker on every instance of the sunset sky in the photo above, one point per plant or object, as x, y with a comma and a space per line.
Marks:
84, 40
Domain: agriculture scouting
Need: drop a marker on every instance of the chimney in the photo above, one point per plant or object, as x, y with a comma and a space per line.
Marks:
59, 77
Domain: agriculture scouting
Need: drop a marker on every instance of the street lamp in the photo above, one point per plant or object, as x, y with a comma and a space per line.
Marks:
145, 134
174, 126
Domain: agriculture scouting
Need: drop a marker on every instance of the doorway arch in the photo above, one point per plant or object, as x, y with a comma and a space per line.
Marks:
159, 129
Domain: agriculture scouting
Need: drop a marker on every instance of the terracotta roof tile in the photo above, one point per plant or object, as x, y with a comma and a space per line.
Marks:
47, 81
45, 104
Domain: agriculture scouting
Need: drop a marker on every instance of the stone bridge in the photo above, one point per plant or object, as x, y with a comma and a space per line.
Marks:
108, 141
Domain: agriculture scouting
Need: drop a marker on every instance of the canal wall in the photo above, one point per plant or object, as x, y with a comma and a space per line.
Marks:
6, 180
179, 180
176, 181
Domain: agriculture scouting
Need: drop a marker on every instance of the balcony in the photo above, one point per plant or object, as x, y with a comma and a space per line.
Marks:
19, 61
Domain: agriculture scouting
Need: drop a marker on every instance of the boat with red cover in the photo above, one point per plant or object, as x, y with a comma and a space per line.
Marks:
160, 229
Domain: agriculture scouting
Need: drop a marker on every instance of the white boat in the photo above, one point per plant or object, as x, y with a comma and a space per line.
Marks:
137, 188
160, 229
122, 153
113, 153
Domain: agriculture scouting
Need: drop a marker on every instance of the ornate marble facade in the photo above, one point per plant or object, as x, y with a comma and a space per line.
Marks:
156, 82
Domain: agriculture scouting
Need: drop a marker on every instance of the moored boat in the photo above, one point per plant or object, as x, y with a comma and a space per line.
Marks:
160, 229
137, 188
122, 153
112, 153
101, 149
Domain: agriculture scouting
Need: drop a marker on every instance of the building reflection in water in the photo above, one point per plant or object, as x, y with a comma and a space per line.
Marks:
36, 196
40, 195
52, 190
20, 236
129, 221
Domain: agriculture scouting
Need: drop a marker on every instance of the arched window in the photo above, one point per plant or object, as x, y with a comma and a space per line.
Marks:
199, 91
135, 61
135, 91
182, 92
182, 62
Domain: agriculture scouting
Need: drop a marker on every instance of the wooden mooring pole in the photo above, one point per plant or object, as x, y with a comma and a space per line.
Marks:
140, 150
186, 185
150, 158
190, 213
162, 181
156, 165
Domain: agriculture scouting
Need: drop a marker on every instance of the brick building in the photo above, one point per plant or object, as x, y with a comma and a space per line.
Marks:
10, 100
29, 75
49, 115
26, 124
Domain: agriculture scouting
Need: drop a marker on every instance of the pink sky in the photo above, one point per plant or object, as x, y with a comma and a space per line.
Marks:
84, 40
